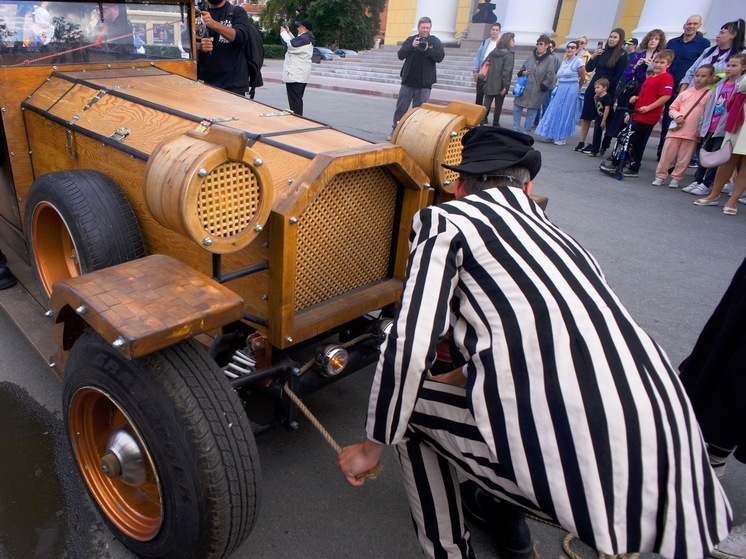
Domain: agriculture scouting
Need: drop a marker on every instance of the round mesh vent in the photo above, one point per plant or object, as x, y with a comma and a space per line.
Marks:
228, 200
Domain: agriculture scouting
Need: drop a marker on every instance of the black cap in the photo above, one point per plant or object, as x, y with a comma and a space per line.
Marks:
305, 23
632, 41
491, 148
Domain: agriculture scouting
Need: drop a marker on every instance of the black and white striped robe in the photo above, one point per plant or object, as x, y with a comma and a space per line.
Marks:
571, 410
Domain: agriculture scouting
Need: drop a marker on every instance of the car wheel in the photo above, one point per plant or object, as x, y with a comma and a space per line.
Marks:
78, 222
164, 448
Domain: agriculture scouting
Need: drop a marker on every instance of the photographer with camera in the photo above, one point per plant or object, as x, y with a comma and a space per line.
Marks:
296, 70
420, 54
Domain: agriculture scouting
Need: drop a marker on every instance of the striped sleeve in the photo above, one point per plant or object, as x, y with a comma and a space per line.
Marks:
422, 319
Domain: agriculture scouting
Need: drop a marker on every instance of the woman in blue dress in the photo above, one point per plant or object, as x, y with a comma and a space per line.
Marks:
559, 119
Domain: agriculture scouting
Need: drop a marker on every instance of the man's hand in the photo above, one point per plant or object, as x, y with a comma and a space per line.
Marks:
454, 378
207, 44
357, 459
207, 18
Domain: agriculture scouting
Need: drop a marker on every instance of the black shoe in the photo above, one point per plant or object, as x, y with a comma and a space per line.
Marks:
587, 149
579, 147
505, 523
630, 173
7, 279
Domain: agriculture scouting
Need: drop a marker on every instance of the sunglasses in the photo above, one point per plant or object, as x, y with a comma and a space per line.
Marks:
582, 43
571, 47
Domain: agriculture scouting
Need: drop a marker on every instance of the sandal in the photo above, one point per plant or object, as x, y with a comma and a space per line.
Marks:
727, 210
706, 202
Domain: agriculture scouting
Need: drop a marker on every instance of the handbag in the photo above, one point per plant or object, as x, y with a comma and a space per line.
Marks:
484, 69
519, 86
716, 158
673, 125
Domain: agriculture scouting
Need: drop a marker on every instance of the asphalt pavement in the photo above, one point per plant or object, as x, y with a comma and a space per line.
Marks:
668, 260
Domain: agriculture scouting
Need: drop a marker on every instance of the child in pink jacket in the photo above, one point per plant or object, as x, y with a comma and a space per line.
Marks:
686, 111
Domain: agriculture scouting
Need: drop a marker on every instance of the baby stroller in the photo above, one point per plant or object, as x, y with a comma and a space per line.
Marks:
620, 154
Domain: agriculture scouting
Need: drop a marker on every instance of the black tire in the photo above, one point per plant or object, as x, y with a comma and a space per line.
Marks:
198, 495
78, 222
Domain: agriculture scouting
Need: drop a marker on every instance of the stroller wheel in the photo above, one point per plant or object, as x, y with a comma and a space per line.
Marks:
619, 176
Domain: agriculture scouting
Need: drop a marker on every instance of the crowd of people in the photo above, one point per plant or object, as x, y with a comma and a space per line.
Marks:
686, 84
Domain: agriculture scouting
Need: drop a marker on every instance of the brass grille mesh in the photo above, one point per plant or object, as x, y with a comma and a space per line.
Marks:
228, 200
453, 155
345, 236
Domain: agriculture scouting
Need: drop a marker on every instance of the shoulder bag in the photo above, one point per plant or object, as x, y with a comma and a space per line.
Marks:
710, 159
673, 125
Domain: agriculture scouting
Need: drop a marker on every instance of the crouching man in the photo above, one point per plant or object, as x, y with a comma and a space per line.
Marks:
565, 407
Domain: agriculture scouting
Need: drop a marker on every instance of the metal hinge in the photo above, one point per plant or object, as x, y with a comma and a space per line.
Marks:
120, 134
96, 99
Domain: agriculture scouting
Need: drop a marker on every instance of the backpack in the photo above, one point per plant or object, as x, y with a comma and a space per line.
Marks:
254, 52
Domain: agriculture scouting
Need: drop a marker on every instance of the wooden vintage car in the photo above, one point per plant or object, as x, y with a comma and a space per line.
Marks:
181, 250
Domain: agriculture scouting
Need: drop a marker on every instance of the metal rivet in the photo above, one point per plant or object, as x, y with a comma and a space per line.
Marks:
258, 228
12, 154
119, 342
258, 162
454, 134
294, 425
53, 364
293, 220
288, 339
290, 181
202, 172
265, 297
427, 185
49, 313
54, 68
207, 241
446, 183
81, 310
265, 244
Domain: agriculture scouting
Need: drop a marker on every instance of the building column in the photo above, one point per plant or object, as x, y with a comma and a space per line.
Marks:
528, 20
670, 17
595, 20
443, 13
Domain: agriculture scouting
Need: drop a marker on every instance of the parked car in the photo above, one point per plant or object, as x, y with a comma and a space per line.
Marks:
321, 53
181, 274
345, 52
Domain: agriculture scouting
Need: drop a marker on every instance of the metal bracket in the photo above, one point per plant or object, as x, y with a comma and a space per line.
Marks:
75, 119
70, 143
216, 119
120, 134
96, 99
284, 112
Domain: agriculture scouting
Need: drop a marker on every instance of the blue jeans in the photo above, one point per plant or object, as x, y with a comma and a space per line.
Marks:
530, 116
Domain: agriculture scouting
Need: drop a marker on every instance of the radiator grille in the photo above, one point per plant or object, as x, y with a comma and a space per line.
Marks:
345, 236
228, 200
453, 155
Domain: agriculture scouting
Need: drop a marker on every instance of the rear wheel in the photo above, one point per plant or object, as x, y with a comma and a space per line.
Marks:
78, 222
164, 447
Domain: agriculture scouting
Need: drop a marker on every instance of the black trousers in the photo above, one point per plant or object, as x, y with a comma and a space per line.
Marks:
637, 143
480, 92
295, 93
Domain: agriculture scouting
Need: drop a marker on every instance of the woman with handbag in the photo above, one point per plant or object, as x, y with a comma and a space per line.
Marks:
735, 142
500, 64
683, 134
558, 121
538, 69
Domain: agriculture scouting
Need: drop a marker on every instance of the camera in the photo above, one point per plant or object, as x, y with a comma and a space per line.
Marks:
423, 44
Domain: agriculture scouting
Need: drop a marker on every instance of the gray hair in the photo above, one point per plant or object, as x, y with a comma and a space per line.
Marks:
510, 176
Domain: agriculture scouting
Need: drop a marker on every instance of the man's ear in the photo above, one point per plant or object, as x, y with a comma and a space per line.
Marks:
528, 187
459, 191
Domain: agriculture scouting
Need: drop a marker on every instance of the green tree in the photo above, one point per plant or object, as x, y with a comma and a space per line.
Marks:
348, 24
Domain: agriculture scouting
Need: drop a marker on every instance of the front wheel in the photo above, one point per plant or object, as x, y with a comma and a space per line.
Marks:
164, 447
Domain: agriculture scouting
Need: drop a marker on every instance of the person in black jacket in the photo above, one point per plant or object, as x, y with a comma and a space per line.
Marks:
420, 54
222, 61
608, 61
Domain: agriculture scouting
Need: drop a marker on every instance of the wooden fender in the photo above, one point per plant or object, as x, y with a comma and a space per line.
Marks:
209, 187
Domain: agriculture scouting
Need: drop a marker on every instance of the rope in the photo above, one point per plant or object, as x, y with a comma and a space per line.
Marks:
372, 473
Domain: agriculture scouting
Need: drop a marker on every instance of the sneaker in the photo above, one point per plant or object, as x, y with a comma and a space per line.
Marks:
700, 190
673, 184
732, 547
630, 173
657, 182
728, 188
579, 147
546, 139
593, 154
693, 164
742, 200
688, 188
602, 153
587, 149
560, 142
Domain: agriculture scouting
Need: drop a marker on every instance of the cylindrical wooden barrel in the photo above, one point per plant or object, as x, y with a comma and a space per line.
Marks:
192, 186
